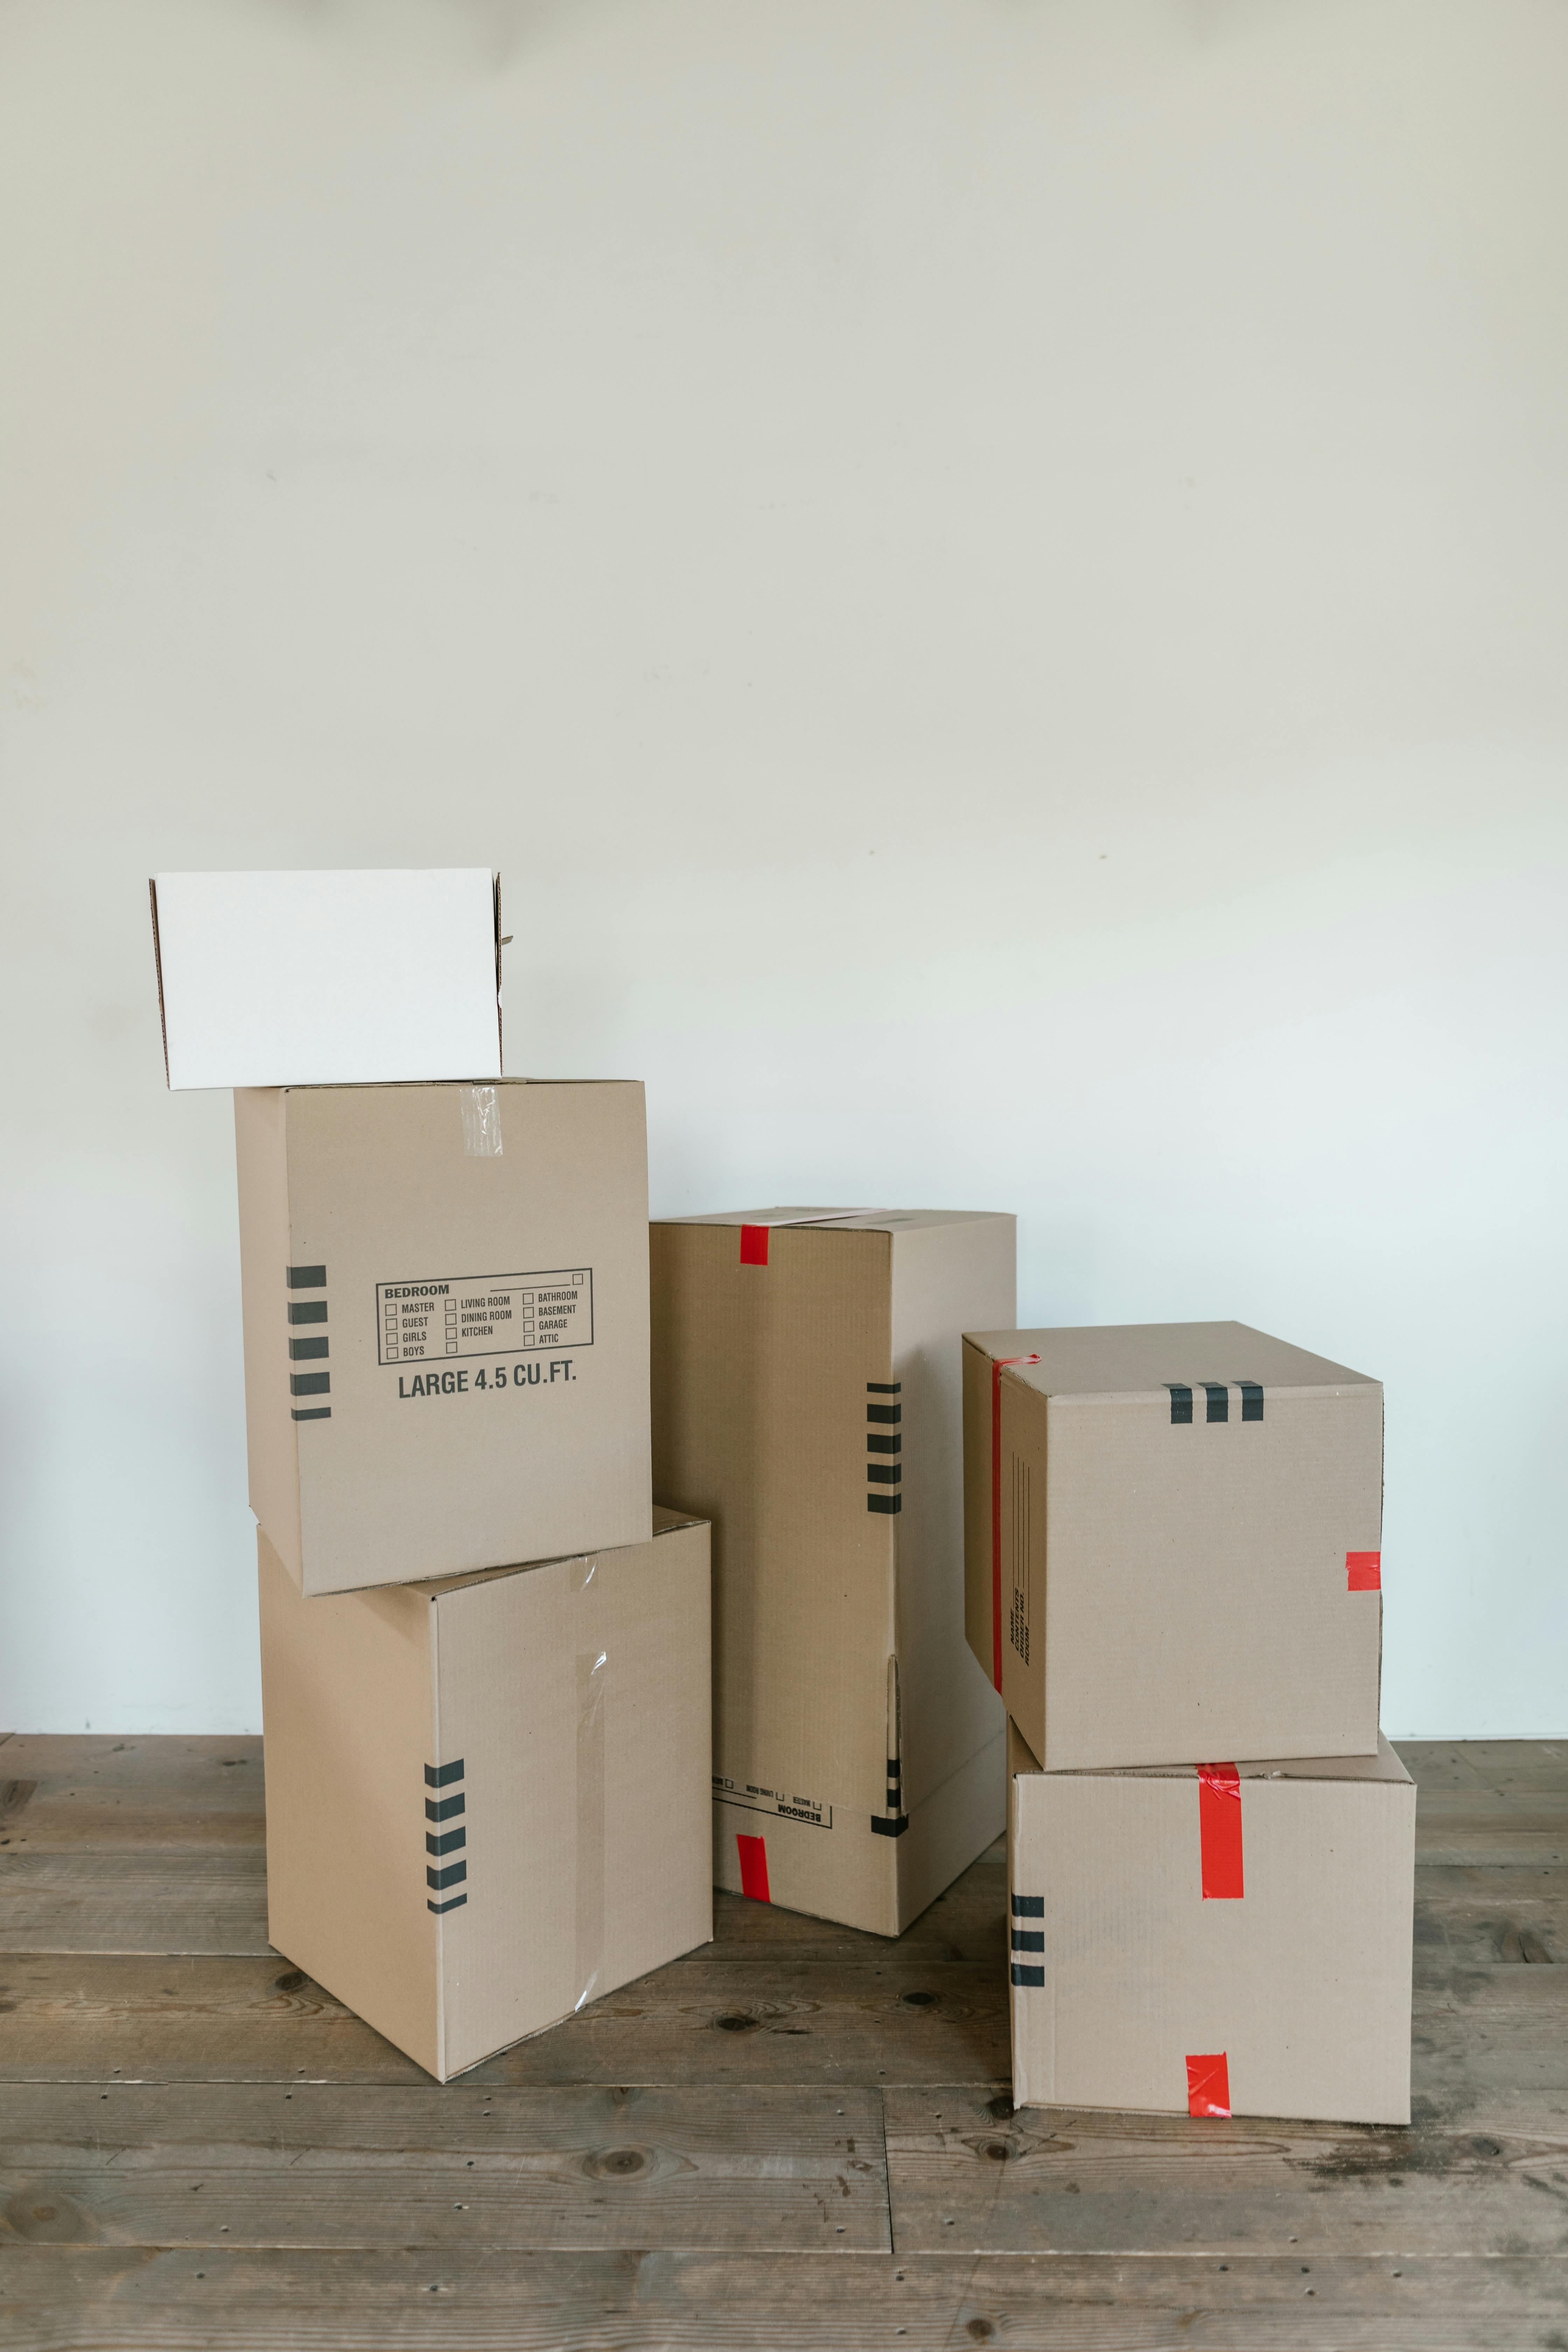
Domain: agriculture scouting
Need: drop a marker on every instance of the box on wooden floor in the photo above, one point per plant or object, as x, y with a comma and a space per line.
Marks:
1229, 1938
488, 1798
806, 1400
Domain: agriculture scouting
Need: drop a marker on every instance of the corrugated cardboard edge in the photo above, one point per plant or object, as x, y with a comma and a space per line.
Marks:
158, 967
495, 901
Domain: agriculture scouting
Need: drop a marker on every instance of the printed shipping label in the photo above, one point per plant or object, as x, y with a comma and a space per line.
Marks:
773, 1801
447, 1316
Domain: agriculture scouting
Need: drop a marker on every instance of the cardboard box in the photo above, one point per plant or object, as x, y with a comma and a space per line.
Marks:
487, 1798
1173, 1542
446, 1325
806, 1400
1234, 1940
328, 979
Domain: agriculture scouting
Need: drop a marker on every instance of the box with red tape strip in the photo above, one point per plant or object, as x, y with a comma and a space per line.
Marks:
1172, 1539
1214, 1939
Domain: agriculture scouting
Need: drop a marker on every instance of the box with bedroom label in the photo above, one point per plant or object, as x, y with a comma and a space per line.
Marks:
806, 1401
1229, 1938
488, 1798
1173, 1542
444, 1295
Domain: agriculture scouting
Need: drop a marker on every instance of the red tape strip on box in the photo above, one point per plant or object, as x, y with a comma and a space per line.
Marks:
1364, 1572
1219, 1832
753, 1244
753, 1867
998, 1365
1208, 2084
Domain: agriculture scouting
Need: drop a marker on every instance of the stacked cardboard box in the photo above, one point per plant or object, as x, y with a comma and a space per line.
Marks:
806, 1402
1172, 1549
485, 1655
1077, 1581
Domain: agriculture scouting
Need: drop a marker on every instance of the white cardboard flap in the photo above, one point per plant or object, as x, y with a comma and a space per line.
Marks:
328, 979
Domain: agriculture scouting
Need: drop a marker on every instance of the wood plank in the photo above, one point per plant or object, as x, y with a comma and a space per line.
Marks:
97, 1791
1076, 2181
1490, 2044
157, 1900
1500, 1764
65, 2299
90, 2018
204, 2164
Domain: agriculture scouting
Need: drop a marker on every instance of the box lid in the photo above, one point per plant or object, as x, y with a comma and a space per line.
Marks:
1385, 1765
1105, 1360
856, 1220
328, 978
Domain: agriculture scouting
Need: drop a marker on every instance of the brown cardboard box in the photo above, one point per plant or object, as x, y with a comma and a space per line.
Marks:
1185, 1561
487, 1798
806, 1400
1235, 1940
446, 1325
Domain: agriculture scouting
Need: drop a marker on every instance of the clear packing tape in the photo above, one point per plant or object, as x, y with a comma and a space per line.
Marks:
482, 1122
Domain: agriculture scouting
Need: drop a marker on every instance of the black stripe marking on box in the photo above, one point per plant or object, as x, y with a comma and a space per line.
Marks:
1028, 1939
895, 1821
306, 1310
452, 1873
312, 1412
1218, 1397
307, 1277
1251, 1400
1028, 1906
309, 1383
1027, 1975
303, 1352
1180, 1404
883, 1473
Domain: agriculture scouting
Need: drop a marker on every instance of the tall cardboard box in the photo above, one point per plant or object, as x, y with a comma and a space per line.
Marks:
1173, 1542
806, 1399
1234, 1940
446, 1325
488, 1798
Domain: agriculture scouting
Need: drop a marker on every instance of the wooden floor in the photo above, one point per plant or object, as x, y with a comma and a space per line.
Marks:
800, 2137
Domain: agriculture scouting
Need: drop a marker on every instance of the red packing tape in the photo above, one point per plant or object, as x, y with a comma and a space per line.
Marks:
1364, 1572
998, 1364
1208, 2084
753, 1244
1219, 1832
754, 1852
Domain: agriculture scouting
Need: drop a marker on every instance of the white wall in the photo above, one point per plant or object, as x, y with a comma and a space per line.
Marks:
990, 571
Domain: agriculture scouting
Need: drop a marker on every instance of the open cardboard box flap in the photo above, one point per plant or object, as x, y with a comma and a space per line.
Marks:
328, 978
